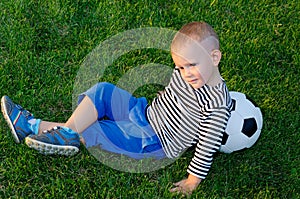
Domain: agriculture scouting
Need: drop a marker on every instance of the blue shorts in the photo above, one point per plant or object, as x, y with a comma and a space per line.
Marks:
122, 126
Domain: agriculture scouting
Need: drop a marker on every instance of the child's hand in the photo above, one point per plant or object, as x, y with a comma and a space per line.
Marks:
186, 186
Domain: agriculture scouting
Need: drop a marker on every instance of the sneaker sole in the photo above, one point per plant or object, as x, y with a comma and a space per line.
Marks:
50, 149
9, 122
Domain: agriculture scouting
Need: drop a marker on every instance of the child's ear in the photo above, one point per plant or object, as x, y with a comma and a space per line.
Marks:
216, 57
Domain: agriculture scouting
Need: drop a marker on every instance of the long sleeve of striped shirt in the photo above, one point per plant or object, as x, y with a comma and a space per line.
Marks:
210, 136
183, 116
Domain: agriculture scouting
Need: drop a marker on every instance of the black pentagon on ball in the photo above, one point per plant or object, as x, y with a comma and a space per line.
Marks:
249, 127
225, 138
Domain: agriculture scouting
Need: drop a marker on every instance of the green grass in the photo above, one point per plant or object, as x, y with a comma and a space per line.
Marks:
44, 43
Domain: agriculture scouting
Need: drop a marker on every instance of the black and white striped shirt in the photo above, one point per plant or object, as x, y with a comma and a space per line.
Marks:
183, 116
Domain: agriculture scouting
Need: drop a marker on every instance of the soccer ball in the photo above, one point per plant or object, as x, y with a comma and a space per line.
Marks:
244, 125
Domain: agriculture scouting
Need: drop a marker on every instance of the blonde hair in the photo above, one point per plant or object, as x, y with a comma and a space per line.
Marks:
195, 31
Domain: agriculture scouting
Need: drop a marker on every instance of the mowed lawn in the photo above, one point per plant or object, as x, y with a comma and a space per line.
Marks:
43, 44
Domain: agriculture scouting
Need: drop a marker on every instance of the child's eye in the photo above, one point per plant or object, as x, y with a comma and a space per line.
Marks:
179, 67
187, 66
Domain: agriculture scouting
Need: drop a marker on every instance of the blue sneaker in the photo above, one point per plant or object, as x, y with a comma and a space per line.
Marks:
59, 141
17, 119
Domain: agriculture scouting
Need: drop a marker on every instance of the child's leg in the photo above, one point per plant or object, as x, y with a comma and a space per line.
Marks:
86, 113
122, 137
102, 100
45, 125
109, 101
83, 116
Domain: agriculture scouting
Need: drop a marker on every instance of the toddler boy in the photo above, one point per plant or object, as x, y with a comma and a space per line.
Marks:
193, 110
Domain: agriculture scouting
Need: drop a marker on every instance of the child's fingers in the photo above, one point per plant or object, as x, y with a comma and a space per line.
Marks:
176, 190
179, 190
179, 183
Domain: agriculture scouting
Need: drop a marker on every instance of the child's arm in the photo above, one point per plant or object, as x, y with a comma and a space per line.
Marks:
186, 186
211, 133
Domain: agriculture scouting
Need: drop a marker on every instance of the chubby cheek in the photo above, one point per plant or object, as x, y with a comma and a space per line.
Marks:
205, 77
199, 84
196, 82
205, 74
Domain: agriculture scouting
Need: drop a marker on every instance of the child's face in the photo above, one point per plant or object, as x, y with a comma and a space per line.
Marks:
195, 64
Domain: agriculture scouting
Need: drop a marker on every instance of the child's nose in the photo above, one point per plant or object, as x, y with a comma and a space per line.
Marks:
187, 71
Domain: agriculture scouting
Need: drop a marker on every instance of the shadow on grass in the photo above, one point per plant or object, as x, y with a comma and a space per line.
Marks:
127, 164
